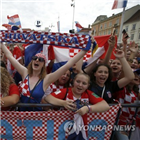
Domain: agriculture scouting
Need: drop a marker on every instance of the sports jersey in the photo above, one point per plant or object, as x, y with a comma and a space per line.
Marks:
36, 97
87, 96
127, 114
52, 88
13, 89
110, 88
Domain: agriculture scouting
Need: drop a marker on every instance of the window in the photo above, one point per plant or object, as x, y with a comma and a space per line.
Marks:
116, 31
110, 24
105, 26
132, 36
117, 21
139, 36
126, 28
109, 31
101, 26
134, 27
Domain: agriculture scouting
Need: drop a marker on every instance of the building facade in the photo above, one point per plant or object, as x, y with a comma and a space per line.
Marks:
104, 25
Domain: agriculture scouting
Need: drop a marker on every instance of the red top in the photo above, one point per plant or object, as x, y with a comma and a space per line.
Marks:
13, 89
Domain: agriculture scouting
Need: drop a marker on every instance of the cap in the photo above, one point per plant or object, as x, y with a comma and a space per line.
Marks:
42, 56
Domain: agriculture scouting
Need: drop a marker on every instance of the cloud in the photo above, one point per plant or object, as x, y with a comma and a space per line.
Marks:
47, 11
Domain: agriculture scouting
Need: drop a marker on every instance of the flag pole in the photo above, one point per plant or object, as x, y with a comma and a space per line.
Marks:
121, 26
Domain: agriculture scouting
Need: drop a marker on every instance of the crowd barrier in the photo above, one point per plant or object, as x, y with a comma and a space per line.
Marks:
54, 125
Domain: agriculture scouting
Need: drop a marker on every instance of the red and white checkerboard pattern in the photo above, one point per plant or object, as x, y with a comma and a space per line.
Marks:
40, 133
73, 52
24, 88
127, 114
34, 37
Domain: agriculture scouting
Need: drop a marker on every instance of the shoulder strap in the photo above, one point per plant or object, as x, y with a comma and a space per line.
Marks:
66, 94
33, 89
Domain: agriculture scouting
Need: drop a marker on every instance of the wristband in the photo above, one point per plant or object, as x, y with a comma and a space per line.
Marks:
89, 108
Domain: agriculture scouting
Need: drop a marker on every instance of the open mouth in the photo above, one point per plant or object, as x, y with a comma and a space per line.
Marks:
103, 79
36, 65
115, 68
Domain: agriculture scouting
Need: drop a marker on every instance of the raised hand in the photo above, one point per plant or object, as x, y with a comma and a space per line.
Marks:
133, 47
124, 38
112, 41
119, 53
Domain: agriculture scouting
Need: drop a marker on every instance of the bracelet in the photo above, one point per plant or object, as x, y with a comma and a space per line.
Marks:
89, 108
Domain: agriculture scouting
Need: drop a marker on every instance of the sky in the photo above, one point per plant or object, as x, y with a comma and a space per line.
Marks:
48, 11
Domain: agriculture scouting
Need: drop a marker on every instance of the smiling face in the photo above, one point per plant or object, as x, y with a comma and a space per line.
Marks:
101, 75
116, 66
135, 64
80, 84
136, 81
64, 78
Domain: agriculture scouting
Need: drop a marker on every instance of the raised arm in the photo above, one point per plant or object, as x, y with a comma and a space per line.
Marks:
20, 68
111, 42
128, 73
52, 77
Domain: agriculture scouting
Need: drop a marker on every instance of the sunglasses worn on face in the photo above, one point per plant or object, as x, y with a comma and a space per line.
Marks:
39, 58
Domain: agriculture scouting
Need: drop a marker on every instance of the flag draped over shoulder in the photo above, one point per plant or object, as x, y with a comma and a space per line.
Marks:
119, 4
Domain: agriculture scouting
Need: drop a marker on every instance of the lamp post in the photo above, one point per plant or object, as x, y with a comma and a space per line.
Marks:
73, 5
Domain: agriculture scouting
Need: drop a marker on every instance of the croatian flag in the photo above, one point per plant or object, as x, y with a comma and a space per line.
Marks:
14, 20
119, 4
33, 49
78, 26
62, 55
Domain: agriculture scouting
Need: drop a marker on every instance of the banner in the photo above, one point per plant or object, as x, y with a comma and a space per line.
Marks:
54, 125
50, 38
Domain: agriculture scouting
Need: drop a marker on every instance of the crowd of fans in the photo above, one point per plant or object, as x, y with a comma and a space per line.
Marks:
96, 85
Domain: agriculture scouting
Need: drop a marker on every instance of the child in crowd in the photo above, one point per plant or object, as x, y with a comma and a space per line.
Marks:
79, 91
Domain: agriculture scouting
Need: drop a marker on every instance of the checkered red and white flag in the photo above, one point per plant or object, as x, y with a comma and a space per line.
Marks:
52, 125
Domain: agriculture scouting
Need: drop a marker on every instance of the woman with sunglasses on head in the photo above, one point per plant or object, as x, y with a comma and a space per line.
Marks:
35, 81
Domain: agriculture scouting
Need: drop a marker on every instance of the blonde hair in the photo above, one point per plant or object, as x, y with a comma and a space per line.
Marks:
84, 74
6, 81
42, 74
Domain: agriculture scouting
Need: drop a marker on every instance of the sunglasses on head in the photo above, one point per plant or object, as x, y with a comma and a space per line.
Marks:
39, 58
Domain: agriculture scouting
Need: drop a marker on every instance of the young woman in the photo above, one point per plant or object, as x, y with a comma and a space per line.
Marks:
62, 82
101, 78
116, 68
79, 91
9, 90
35, 80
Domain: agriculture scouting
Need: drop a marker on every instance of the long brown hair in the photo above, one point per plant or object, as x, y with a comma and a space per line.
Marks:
42, 74
6, 81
